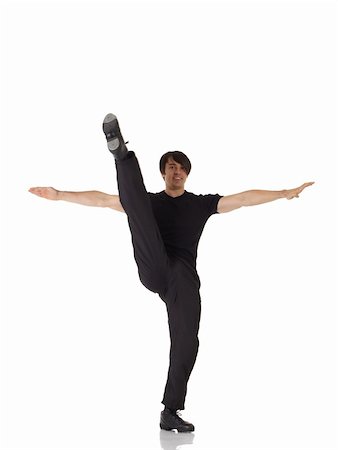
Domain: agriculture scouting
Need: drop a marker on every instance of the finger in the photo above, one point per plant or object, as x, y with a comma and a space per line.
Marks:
34, 190
37, 191
303, 186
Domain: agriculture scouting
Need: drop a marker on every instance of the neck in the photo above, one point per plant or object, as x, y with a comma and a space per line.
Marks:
174, 192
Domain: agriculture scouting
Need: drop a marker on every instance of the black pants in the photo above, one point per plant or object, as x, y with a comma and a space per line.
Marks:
176, 282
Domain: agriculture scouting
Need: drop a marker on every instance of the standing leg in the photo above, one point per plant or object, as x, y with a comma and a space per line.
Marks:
184, 311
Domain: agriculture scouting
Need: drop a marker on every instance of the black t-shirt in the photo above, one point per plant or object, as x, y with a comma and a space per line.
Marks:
181, 221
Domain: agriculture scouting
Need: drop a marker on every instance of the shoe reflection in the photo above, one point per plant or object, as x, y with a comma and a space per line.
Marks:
170, 440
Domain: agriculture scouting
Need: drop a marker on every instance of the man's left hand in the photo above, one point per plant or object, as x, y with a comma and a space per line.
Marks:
292, 193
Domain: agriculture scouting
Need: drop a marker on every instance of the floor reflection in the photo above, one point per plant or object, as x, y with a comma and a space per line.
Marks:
170, 440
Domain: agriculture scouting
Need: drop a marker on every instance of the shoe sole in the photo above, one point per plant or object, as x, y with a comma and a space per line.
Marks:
109, 118
113, 144
164, 427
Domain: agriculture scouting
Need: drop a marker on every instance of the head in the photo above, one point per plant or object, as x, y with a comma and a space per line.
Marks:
175, 168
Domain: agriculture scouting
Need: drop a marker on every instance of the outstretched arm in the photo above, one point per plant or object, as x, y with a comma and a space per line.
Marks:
256, 197
87, 198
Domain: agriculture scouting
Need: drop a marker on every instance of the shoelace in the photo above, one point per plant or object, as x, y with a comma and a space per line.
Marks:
179, 417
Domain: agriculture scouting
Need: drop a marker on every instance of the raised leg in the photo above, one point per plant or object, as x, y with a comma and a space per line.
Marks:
149, 251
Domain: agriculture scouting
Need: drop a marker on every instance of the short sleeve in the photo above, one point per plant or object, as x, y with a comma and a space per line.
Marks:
209, 203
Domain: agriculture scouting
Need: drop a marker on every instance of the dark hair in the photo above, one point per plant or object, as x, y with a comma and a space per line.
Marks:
178, 157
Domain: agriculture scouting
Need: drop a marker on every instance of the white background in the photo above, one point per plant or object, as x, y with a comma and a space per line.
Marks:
247, 90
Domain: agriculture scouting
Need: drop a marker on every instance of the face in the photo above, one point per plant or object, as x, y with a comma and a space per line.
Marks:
175, 175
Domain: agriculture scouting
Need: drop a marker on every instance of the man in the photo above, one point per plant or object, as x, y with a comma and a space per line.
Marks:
165, 229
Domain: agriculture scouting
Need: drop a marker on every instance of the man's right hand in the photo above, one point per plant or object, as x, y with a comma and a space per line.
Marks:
46, 192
